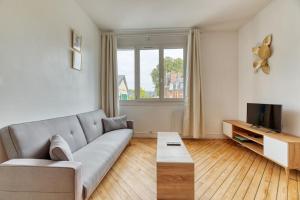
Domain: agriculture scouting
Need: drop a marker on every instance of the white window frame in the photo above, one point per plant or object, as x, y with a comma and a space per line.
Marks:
161, 48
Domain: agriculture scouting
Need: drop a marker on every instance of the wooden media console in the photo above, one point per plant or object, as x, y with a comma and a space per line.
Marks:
281, 148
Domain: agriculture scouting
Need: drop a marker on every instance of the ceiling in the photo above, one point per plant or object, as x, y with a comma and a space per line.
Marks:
161, 14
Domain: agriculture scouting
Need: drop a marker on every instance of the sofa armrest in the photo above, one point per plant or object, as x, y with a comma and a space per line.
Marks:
130, 125
40, 179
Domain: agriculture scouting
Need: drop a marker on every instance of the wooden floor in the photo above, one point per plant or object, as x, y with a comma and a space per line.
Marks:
223, 170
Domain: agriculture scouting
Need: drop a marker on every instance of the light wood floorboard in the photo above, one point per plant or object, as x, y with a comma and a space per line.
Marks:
223, 170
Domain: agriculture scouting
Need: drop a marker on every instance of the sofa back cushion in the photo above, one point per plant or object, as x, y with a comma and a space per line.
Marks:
32, 139
91, 123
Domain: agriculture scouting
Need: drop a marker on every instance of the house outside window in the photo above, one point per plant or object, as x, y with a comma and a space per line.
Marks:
123, 88
153, 71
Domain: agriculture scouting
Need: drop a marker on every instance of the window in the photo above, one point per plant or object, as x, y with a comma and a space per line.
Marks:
151, 74
173, 73
126, 74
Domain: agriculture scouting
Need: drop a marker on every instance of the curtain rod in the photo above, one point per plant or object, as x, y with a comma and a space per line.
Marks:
152, 32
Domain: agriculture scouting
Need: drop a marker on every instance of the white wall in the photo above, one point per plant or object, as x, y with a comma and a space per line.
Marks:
153, 117
282, 19
220, 67
36, 79
220, 78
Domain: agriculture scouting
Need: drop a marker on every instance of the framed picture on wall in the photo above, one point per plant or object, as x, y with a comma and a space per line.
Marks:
76, 41
77, 60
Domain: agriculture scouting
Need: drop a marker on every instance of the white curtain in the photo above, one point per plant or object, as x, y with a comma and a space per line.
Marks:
109, 87
193, 122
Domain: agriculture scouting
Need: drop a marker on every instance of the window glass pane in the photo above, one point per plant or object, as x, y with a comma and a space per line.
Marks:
173, 73
126, 74
149, 73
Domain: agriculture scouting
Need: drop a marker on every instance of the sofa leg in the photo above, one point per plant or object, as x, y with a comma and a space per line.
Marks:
129, 143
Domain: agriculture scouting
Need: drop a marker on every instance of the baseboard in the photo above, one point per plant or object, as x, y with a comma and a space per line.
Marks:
154, 135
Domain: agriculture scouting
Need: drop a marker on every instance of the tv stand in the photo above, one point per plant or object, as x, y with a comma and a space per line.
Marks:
281, 148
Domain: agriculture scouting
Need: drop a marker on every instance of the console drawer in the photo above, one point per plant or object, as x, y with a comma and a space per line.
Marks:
227, 129
276, 150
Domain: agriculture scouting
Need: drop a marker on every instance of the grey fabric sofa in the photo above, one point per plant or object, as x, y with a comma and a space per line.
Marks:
30, 174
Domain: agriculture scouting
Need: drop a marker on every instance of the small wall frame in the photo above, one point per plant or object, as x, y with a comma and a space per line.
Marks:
76, 60
76, 41
76, 50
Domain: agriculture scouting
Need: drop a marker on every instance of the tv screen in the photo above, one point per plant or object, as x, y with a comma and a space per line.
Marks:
264, 115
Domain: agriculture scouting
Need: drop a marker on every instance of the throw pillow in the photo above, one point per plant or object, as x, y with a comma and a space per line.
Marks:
59, 149
114, 123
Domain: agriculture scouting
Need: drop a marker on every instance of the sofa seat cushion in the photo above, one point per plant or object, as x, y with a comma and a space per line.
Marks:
98, 157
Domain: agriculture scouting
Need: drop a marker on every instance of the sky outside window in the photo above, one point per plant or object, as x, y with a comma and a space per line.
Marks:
149, 60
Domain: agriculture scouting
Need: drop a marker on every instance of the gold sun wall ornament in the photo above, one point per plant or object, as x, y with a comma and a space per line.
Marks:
263, 52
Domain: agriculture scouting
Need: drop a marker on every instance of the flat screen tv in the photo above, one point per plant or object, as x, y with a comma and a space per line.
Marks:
264, 115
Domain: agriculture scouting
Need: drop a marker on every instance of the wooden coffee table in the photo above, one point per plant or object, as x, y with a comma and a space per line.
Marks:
175, 168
